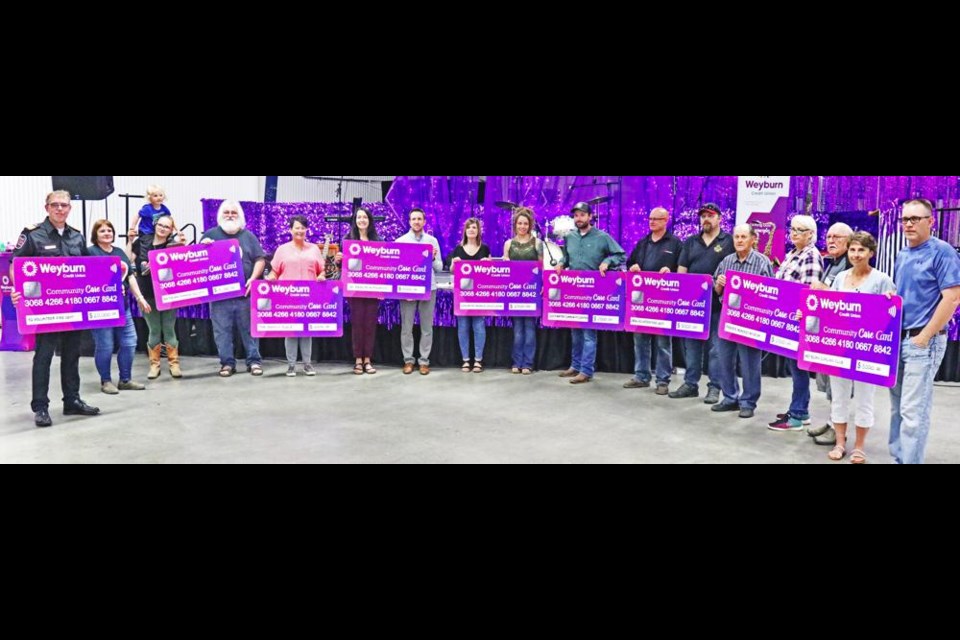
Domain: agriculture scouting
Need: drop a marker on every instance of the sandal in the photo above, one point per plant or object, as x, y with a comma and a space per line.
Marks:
255, 370
515, 370
858, 457
368, 368
466, 366
837, 453
527, 371
358, 369
478, 367
226, 371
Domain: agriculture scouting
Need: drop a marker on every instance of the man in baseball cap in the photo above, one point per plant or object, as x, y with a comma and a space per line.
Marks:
582, 206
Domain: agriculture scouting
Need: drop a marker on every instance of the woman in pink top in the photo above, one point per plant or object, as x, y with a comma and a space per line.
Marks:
298, 260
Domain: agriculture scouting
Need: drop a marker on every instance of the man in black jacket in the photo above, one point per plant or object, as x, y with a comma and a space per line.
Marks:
54, 238
659, 252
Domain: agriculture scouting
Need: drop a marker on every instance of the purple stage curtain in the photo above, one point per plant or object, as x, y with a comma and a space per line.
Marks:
450, 200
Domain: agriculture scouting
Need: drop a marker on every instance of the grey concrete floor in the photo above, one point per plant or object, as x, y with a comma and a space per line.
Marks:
446, 417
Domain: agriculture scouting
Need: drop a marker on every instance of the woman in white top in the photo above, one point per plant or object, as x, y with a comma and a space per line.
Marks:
862, 278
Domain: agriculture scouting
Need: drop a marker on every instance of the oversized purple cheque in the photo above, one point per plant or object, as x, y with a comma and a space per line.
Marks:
762, 312
583, 300
388, 270
497, 288
69, 294
669, 304
296, 309
184, 276
851, 335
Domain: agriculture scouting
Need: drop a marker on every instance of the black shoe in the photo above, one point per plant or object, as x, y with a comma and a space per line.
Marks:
685, 391
713, 396
42, 418
79, 408
746, 413
723, 406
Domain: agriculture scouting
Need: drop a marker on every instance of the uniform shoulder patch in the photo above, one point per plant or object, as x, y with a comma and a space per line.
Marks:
22, 240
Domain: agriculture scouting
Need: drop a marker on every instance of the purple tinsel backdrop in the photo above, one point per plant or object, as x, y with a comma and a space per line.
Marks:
450, 200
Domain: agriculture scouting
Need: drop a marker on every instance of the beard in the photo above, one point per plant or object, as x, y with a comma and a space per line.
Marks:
582, 224
230, 226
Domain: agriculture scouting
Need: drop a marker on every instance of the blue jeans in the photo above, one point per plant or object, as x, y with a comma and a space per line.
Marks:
800, 400
105, 340
693, 355
524, 342
911, 401
464, 324
584, 351
750, 361
231, 318
641, 357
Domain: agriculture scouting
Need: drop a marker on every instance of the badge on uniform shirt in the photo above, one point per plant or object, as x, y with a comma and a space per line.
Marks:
22, 240
50, 247
718, 249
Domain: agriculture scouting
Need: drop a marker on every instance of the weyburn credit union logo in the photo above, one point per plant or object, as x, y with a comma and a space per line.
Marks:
466, 269
263, 288
29, 269
736, 282
812, 303
554, 278
637, 280
355, 249
162, 259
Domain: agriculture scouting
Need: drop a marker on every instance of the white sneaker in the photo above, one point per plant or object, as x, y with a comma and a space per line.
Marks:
291, 371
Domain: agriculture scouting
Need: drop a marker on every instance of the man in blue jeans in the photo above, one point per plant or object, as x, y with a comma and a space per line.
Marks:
927, 275
745, 260
231, 318
703, 254
587, 249
658, 252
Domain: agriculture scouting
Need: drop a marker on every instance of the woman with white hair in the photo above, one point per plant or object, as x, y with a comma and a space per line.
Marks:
804, 265
231, 318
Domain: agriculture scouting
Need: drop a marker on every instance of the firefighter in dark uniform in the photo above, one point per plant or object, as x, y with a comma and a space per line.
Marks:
50, 239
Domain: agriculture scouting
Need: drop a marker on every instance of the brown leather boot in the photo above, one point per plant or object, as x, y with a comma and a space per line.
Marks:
173, 357
154, 362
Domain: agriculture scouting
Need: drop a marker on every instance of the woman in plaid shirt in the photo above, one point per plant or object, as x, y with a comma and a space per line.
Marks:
804, 265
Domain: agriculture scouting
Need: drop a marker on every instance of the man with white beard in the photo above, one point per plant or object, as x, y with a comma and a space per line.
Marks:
232, 317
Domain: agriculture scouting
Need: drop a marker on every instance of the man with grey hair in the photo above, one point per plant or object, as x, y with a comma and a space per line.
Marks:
837, 239
745, 260
231, 318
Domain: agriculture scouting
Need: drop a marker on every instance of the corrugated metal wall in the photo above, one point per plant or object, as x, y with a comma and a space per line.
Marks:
324, 188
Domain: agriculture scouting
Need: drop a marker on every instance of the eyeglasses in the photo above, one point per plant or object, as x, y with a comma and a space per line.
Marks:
231, 213
832, 237
59, 205
164, 226
795, 230
658, 219
913, 219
